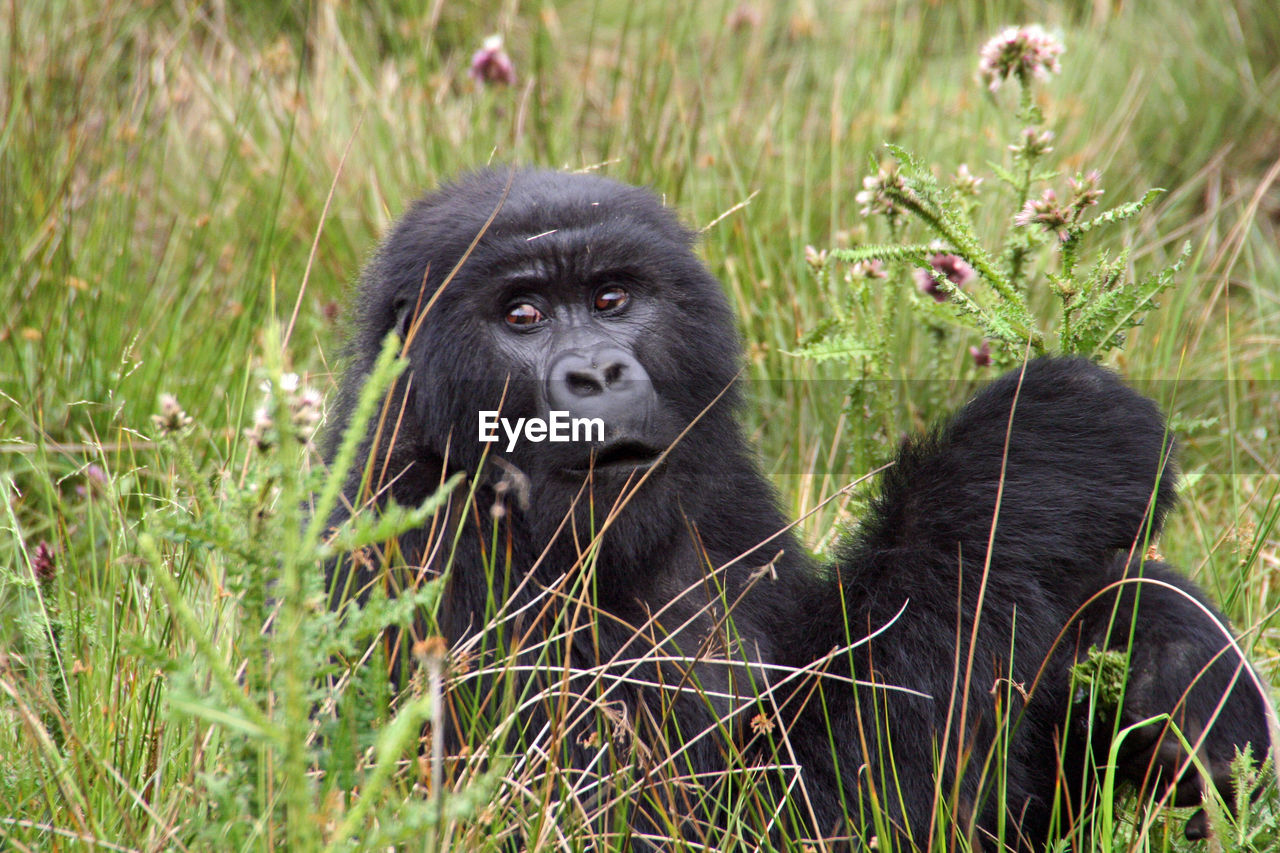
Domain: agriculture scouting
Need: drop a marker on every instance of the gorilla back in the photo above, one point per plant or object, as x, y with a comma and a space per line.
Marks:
633, 604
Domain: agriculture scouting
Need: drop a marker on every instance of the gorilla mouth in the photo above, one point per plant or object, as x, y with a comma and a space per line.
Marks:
623, 455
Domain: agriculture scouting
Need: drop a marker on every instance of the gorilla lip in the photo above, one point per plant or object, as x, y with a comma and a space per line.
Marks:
626, 453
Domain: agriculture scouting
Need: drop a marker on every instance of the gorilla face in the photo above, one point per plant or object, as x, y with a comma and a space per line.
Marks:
565, 328
557, 299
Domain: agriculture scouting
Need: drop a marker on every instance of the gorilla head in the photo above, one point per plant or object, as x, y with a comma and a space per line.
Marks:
528, 293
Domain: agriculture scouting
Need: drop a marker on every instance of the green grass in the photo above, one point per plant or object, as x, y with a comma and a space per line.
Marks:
166, 170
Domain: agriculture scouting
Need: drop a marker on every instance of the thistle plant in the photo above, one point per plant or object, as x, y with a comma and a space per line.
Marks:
987, 284
309, 747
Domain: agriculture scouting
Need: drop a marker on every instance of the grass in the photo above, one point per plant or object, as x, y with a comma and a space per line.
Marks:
174, 177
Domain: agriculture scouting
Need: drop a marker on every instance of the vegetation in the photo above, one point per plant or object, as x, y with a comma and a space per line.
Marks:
187, 190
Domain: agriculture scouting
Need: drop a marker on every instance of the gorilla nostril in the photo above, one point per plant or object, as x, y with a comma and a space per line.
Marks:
584, 383
601, 381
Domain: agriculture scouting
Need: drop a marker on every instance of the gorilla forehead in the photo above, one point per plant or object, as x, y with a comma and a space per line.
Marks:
572, 256
536, 201
543, 223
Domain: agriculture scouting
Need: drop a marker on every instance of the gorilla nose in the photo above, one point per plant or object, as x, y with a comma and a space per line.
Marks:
606, 383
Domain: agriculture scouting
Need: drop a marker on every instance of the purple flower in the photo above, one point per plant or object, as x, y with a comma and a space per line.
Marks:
815, 258
1022, 52
172, 418
1033, 143
1045, 211
875, 194
42, 563
490, 64
955, 268
871, 269
981, 354
1085, 191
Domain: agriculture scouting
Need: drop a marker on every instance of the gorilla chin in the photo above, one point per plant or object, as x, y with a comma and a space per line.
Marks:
654, 594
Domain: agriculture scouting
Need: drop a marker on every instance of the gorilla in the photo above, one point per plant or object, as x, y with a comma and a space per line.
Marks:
634, 606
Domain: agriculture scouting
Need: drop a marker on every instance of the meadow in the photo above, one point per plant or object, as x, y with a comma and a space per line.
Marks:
188, 191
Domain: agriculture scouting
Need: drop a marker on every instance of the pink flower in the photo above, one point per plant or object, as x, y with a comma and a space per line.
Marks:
965, 182
875, 194
1045, 211
871, 269
1022, 52
1085, 191
260, 433
955, 268
981, 354
172, 418
491, 64
815, 258
1034, 143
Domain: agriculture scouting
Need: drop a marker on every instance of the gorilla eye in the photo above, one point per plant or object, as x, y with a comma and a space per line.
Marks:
611, 298
523, 314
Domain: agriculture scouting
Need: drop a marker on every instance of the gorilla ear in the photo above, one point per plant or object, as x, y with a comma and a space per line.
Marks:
404, 319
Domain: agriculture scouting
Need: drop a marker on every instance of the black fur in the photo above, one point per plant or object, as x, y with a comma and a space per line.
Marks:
699, 562
1182, 663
